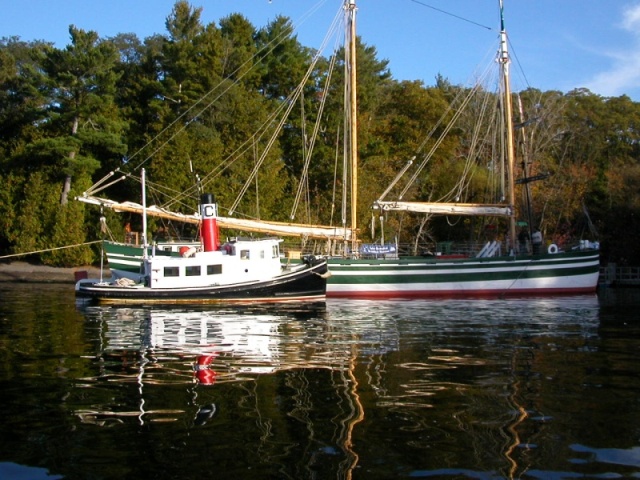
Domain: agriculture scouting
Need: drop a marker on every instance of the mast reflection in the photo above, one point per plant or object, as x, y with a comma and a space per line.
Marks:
198, 365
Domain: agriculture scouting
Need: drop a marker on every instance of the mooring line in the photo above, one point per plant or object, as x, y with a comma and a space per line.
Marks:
48, 250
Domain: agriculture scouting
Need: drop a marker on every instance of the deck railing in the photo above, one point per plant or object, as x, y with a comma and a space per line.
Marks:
468, 249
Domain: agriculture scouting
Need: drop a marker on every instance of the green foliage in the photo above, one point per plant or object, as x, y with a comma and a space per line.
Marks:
194, 107
35, 213
68, 229
82, 81
239, 49
283, 60
9, 191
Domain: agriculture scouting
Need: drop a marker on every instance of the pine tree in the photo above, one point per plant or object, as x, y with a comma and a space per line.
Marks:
84, 121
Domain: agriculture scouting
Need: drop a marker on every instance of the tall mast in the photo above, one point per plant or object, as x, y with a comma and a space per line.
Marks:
144, 213
508, 114
353, 112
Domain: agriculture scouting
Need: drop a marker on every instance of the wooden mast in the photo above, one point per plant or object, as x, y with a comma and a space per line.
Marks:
144, 213
508, 114
353, 132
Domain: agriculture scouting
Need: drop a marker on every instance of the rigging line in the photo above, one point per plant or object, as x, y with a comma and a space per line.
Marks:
232, 157
421, 147
479, 136
467, 171
49, 249
397, 178
248, 143
244, 147
464, 101
105, 228
186, 124
305, 147
314, 136
435, 147
477, 78
271, 142
512, 54
264, 50
440, 121
200, 112
156, 190
492, 135
452, 15
459, 102
295, 97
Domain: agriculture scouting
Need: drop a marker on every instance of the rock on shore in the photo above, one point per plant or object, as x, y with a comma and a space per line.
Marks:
27, 272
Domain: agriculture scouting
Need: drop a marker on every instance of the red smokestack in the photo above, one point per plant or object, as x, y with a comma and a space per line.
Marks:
209, 215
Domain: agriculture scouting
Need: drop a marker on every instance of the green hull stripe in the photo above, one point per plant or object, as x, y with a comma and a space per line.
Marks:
413, 270
457, 277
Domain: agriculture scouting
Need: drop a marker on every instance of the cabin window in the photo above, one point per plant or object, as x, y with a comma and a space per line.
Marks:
214, 269
275, 252
244, 254
193, 271
262, 254
171, 272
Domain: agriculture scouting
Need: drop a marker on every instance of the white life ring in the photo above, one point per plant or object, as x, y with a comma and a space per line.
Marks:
553, 248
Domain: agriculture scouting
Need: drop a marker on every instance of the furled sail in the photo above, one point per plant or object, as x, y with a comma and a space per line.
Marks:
246, 225
446, 208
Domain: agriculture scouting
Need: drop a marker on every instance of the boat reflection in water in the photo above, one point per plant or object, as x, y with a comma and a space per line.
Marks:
233, 341
286, 390
240, 369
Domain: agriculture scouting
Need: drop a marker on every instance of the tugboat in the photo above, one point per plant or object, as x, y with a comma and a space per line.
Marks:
240, 270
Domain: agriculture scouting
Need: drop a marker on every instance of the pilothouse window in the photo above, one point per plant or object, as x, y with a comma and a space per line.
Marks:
193, 271
214, 269
171, 272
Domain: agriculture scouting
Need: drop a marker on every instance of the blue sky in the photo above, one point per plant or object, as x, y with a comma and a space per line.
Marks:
556, 44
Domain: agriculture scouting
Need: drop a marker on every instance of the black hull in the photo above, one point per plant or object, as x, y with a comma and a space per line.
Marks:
308, 284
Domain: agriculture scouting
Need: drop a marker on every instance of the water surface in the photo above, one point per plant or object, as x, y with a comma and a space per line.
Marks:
488, 389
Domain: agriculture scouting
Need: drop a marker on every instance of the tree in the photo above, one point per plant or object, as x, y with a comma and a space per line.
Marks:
22, 94
239, 50
197, 102
398, 131
603, 136
179, 63
283, 60
84, 125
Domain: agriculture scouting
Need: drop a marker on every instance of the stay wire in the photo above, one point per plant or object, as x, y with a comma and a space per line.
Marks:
452, 15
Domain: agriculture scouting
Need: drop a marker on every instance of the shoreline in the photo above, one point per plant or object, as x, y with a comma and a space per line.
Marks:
25, 272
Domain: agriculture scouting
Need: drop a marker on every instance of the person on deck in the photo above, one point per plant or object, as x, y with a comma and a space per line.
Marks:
536, 241
523, 239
